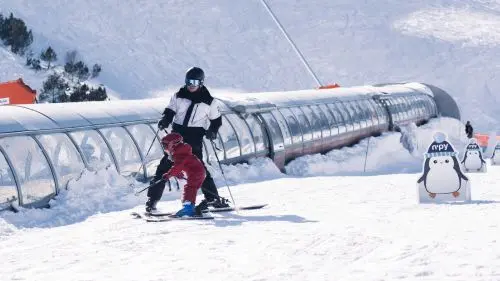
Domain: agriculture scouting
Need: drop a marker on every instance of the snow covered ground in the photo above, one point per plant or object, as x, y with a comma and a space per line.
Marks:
320, 225
146, 46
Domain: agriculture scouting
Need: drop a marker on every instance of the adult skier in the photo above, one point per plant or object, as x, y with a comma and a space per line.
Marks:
194, 113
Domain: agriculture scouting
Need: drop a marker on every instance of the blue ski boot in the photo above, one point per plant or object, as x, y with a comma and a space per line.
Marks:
187, 210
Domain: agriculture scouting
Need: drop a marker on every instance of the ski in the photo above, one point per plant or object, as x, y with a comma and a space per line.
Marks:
211, 210
166, 217
215, 210
231, 209
172, 218
156, 214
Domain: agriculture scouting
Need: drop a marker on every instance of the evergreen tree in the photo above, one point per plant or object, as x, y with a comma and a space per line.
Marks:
48, 56
35, 64
69, 68
96, 69
81, 71
29, 58
32, 62
2, 26
15, 34
53, 89
70, 64
98, 94
64, 97
79, 93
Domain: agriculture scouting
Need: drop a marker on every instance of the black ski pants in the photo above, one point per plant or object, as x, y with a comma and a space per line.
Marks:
208, 187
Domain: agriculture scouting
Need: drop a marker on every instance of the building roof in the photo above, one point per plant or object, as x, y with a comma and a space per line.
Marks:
17, 92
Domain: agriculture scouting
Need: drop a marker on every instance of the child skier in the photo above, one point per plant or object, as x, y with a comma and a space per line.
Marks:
185, 163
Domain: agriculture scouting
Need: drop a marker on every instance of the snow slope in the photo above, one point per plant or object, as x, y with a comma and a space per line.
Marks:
319, 225
318, 228
146, 46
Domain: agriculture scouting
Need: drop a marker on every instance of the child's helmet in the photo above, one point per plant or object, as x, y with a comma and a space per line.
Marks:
169, 141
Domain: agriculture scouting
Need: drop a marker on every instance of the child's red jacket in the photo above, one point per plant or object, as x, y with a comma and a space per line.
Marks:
185, 161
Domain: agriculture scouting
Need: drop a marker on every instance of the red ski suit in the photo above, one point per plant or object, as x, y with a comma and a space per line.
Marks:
185, 161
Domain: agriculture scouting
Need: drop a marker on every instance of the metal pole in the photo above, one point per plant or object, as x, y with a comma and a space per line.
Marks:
366, 155
291, 43
222, 171
147, 153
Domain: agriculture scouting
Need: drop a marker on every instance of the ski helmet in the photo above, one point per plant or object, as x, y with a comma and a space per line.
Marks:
169, 141
195, 74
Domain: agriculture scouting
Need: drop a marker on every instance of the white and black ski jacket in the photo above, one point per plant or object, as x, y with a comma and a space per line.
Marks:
193, 114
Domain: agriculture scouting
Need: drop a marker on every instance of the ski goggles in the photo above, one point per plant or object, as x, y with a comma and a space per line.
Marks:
192, 82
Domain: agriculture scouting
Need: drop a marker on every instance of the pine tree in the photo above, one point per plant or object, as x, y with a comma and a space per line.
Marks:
79, 93
69, 68
63, 97
15, 34
48, 56
96, 69
35, 64
53, 89
29, 58
81, 71
2, 25
98, 94
69, 64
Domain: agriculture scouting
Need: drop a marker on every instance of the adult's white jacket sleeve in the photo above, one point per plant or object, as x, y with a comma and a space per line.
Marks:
214, 110
172, 105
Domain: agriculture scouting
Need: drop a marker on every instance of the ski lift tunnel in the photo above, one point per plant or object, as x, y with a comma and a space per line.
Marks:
44, 146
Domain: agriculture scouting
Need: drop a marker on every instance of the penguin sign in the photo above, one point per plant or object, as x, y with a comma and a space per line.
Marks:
495, 158
473, 158
442, 179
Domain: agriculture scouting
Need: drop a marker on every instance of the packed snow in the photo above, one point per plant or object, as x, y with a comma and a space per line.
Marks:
327, 219
145, 47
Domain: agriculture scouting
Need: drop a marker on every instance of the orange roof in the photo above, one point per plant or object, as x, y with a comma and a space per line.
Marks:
329, 86
16, 92
483, 139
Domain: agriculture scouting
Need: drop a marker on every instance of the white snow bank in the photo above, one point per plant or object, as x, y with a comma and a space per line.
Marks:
107, 191
258, 169
379, 155
92, 193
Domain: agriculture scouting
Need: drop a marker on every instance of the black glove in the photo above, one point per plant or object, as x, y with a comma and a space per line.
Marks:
163, 124
211, 135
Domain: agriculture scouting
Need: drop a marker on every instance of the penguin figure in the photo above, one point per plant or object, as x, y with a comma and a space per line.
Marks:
495, 158
473, 157
441, 169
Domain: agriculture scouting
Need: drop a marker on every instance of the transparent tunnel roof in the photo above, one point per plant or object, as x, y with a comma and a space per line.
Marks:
36, 117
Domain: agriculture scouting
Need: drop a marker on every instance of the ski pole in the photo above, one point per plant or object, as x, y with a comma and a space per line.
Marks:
222, 171
147, 153
148, 187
